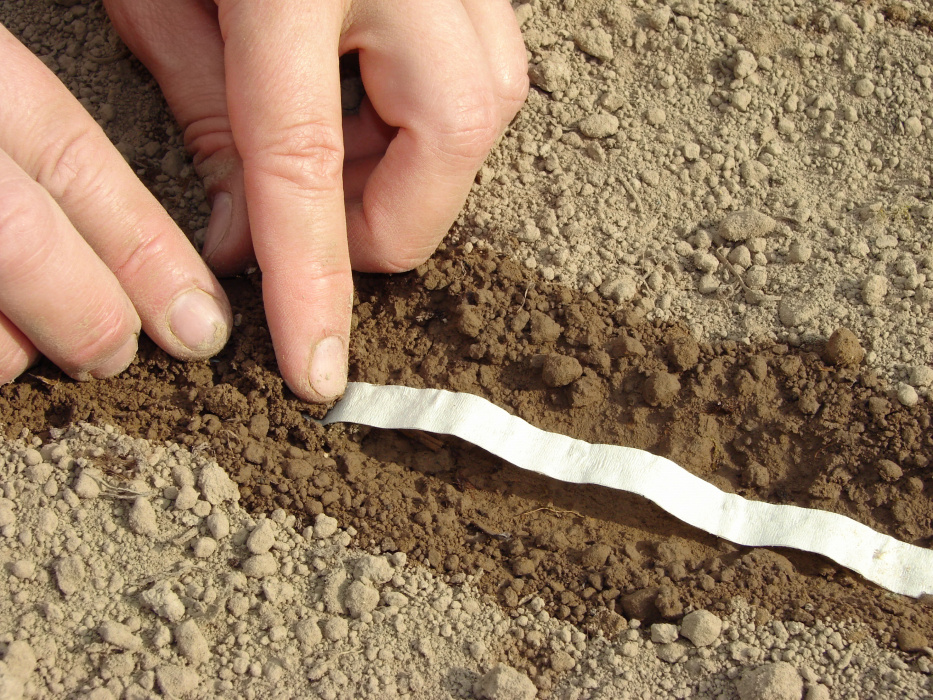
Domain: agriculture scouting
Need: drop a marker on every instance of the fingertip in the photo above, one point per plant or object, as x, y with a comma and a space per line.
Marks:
13, 367
327, 374
200, 322
228, 248
219, 226
113, 365
17, 353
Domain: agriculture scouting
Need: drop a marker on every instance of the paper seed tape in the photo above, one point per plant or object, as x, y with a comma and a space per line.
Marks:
895, 565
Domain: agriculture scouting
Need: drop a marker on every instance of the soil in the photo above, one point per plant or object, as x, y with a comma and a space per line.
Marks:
773, 423
134, 573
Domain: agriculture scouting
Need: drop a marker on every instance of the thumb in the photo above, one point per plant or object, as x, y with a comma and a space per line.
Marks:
179, 41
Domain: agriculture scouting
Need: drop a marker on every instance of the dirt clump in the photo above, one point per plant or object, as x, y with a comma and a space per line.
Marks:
843, 348
660, 389
560, 370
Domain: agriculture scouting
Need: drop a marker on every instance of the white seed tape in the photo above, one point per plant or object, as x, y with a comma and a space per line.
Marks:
895, 565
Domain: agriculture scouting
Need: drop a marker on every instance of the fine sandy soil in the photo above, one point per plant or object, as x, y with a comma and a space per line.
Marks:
695, 199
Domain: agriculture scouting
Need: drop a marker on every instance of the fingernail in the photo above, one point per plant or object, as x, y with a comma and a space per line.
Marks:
219, 225
197, 320
117, 362
329, 368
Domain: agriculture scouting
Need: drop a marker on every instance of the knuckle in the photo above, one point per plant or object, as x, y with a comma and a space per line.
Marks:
208, 135
308, 155
469, 125
19, 208
25, 220
71, 164
514, 89
142, 252
215, 157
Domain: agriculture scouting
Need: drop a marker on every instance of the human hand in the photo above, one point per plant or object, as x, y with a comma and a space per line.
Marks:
256, 87
88, 257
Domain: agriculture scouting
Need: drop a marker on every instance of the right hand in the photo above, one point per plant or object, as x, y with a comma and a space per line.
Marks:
255, 84
88, 257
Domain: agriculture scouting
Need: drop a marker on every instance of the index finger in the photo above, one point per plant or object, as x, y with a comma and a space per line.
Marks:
283, 90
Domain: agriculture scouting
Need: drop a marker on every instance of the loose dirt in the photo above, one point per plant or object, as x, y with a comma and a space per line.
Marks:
773, 423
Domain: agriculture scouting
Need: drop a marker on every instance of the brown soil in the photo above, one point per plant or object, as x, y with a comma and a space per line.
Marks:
771, 423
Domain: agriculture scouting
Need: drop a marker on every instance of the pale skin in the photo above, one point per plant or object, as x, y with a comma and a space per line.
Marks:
88, 258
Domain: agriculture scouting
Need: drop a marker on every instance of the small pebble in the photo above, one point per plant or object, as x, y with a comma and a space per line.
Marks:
741, 99
659, 18
502, 681
86, 486
560, 370
335, 629
23, 569
663, 633
191, 642
597, 126
660, 389
913, 126
671, 653
799, 252
176, 681
889, 471
218, 525
262, 538
775, 681
260, 566
746, 224
39, 473
551, 74
7, 513
796, 310
324, 526
119, 635
142, 517
70, 573
874, 289
745, 64
360, 598
164, 601
596, 42
864, 87
701, 627
655, 116
707, 284
186, 498
561, 662
907, 395
843, 349
204, 547
216, 486
920, 376
756, 277
308, 632
19, 659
